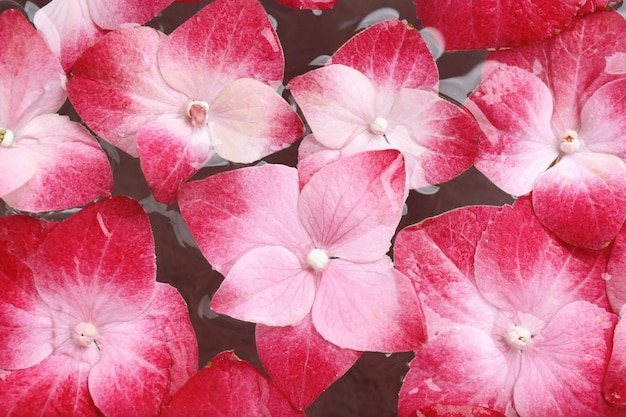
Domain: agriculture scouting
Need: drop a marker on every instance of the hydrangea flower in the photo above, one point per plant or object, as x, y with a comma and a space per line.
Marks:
379, 91
208, 88
70, 26
85, 328
287, 253
551, 126
47, 162
516, 319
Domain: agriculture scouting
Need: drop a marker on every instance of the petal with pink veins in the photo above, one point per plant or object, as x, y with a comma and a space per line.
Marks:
393, 55
122, 14
614, 386
300, 361
352, 207
248, 121
368, 306
616, 273
228, 387
446, 410
226, 40
513, 109
261, 212
31, 78
267, 285
116, 86
313, 156
582, 199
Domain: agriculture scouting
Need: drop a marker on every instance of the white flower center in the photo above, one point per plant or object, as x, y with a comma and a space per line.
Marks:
518, 338
379, 126
317, 259
6, 138
198, 112
569, 141
84, 334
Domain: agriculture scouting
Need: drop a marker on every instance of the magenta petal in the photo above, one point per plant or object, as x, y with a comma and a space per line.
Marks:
313, 156
55, 387
300, 361
582, 199
392, 54
616, 273
614, 383
368, 306
121, 14
352, 207
262, 212
116, 86
31, 78
248, 121
308, 4
267, 285
446, 410
229, 387
171, 151
513, 109
520, 266
226, 40
568, 368
107, 269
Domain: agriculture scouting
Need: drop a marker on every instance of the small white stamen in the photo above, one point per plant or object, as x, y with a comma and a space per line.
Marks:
317, 259
6, 138
518, 337
569, 141
379, 126
198, 112
84, 334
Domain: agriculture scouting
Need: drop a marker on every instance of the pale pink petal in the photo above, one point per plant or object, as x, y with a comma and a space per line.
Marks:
248, 121
99, 263
71, 167
31, 78
132, 376
338, 102
460, 366
226, 40
564, 375
368, 306
614, 382
582, 199
438, 256
446, 410
267, 285
121, 14
68, 29
300, 361
227, 224
513, 109
312, 156
229, 387
352, 207
55, 387
18, 166
392, 54
116, 86
616, 273
170, 152
438, 139
520, 266
308, 4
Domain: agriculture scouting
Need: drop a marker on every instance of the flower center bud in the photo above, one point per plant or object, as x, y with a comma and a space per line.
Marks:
198, 112
379, 126
569, 141
518, 338
6, 138
317, 259
84, 334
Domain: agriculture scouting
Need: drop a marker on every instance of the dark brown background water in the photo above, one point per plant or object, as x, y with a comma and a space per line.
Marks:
370, 388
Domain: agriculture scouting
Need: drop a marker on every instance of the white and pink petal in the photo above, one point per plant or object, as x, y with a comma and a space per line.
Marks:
122, 14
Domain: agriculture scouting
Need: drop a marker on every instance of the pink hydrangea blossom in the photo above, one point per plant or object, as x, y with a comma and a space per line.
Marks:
85, 328
70, 26
176, 101
551, 126
516, 319
379, 91
287, 253
47, 162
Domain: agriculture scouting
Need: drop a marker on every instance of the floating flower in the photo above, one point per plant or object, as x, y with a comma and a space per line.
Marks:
208, 88
379, 91
47, 162
516, 319
288, 253
85, 328
548, 114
